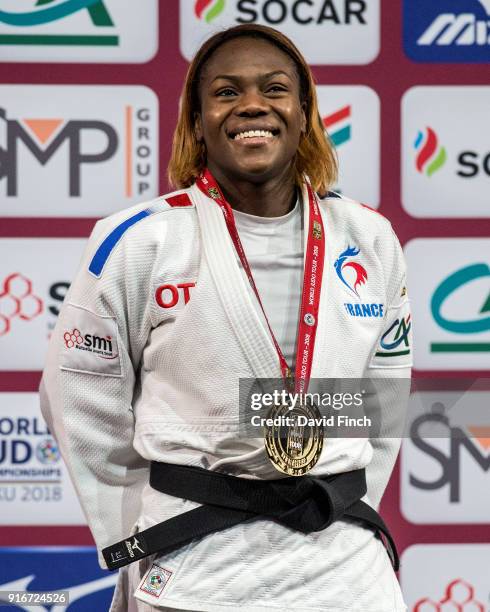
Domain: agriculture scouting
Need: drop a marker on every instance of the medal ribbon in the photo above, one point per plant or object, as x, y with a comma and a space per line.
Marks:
312, 280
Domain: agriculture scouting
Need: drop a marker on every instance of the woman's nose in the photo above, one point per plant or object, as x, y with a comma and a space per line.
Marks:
252, 103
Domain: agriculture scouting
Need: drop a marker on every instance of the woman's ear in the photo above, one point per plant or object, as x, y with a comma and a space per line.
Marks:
303, 117
198, 127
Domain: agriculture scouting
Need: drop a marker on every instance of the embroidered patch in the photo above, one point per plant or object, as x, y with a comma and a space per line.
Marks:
155, 580
89, 343
394, 348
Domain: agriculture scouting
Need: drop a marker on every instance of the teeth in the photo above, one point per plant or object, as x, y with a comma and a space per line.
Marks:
254, 134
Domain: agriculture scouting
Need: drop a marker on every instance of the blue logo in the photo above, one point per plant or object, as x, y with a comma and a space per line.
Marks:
57, 568
447, 30
396, 340
365, 310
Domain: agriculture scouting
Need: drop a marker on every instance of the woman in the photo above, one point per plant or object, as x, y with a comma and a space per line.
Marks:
179, 298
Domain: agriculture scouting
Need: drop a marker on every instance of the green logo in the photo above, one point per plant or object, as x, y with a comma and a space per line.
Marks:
477, 325
50, 11
208, 9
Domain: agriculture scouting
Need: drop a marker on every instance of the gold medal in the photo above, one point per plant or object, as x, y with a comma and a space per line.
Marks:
294, 441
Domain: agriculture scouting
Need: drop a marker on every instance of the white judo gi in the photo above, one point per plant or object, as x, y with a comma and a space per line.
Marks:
153, 337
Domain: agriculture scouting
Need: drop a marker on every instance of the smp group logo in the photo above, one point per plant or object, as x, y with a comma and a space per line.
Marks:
351, 116
430, 155
72, 569
76, 151
35, 488
326, 31
78, 30
34, 280
446, 577
446, 151
447, 31
445, 460
450, 286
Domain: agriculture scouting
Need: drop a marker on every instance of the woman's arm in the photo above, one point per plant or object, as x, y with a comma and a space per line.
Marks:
88, 386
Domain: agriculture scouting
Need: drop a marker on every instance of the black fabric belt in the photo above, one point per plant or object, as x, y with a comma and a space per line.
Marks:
305, 503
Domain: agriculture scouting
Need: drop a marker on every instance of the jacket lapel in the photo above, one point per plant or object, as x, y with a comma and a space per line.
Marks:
221, 259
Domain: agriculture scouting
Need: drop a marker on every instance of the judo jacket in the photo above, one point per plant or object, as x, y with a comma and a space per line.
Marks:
155, 333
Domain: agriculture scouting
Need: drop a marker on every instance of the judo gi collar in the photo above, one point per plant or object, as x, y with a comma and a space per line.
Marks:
313, 273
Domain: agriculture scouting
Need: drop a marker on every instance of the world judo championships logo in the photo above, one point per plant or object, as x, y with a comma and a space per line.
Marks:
343, 263
208, 9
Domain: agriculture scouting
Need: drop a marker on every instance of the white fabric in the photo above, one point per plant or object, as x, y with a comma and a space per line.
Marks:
274, 249
177, 402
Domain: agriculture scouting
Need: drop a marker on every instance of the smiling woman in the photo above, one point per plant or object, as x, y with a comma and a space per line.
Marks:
248, 79
252, 269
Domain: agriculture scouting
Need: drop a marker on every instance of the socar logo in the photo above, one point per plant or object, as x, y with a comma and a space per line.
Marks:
208, 9
430, 156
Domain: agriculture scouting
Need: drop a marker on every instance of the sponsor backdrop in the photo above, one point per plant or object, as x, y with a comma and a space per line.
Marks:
88, 103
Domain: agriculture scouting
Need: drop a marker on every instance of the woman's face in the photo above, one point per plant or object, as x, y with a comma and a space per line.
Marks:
251, 115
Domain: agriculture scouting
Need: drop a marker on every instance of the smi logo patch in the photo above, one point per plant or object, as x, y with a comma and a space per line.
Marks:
78, 30
447, 31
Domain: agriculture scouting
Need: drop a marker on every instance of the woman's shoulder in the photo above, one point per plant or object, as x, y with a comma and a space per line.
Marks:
344, 210
138, 230
125, 219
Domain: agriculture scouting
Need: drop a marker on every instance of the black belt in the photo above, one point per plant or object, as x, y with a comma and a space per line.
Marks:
305, 504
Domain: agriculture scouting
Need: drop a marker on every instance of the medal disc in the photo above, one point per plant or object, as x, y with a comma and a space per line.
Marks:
294, 440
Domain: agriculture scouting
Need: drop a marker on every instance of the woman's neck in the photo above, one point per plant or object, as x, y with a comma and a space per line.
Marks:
273, 198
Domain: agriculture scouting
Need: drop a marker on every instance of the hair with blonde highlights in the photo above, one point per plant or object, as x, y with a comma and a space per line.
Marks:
315, 156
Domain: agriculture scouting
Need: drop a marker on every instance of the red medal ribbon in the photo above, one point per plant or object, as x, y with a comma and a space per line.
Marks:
312, 280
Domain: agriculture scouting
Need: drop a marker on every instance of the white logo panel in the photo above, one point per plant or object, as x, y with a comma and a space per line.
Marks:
76, 151
35, 488
446, 152
333, 32
78, 31
351, 116
442, 577
445, 463
35, 274
449, 282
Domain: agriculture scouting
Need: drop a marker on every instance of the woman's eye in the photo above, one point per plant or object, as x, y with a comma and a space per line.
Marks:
226, 92
277, 88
